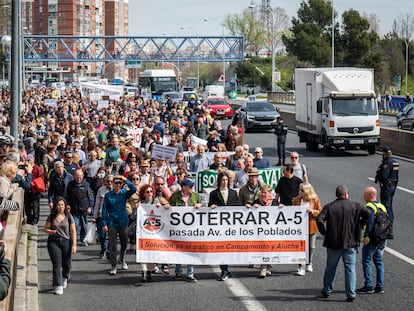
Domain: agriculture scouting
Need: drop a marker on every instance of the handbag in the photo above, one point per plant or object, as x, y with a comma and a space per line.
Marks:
91, 233
38, 185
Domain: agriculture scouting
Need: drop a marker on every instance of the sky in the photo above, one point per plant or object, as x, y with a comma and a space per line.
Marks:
166, 17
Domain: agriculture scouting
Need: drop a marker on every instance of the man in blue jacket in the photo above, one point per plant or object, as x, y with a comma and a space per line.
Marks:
115, 219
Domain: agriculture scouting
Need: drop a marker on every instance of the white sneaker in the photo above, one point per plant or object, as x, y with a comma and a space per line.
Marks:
124, 266
309, 268
113, 271
59, 290
301, 272
65, 283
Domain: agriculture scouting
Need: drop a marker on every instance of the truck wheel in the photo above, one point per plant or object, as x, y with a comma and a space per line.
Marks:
327, 149
311, 145
371, 150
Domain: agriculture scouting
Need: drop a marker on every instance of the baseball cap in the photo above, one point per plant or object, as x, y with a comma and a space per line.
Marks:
258, 149
386, 149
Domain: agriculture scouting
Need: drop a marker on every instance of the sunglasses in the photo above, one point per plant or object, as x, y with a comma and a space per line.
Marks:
159, 184
293, 157
136, 179
148, 191
118, 182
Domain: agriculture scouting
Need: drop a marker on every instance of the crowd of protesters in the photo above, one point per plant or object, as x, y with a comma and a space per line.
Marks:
90, 165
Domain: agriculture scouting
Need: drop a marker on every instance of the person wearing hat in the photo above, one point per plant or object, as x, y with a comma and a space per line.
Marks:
144, 174
115, 219
259, 160
387, 177
250, 192
186, 197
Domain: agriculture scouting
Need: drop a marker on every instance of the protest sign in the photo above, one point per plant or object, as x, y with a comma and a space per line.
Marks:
164, 152
224, 235
136, 133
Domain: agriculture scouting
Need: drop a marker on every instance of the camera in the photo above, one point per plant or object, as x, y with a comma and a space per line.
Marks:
22, 166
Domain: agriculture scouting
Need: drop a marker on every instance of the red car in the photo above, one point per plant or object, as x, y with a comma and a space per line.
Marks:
219, 107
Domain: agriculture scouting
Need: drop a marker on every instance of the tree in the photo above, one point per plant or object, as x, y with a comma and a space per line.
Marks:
356, 39
248, 73
311, 40
247, 25
403, 26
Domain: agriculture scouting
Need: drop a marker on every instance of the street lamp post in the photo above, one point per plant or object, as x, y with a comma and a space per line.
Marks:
198, 53
224, 61
406, 64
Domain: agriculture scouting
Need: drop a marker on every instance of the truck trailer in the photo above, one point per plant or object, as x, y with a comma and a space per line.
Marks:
337, 108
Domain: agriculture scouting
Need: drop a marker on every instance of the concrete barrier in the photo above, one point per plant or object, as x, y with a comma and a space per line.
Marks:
11, 235
401, 142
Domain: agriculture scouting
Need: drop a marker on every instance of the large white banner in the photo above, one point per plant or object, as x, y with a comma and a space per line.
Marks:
224, 235
113, 91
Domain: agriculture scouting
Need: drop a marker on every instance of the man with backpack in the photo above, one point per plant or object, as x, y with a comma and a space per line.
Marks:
375, 235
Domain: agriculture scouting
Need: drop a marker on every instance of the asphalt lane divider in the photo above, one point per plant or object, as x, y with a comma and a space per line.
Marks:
240, 291
398, 187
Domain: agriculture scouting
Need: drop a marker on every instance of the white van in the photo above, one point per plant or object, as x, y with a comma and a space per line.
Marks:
213, 90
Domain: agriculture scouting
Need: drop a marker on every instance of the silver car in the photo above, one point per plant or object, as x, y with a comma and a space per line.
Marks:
259, 114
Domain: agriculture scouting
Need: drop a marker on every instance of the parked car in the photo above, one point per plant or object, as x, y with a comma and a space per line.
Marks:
219, 107
259, 114
403, 113
405, 118
175, 97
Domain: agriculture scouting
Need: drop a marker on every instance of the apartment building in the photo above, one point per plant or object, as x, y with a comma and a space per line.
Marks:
76, 18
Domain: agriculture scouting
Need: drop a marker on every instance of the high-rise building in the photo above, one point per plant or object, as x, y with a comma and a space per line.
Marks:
74, 18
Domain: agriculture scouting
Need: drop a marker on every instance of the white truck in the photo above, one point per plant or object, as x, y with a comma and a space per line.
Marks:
337, 108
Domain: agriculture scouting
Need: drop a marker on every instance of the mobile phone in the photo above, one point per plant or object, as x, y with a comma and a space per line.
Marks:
21, 166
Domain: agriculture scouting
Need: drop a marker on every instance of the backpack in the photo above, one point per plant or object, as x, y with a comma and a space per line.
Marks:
382, 223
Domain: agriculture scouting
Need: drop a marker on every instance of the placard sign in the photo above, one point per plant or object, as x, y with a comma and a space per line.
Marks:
224, 235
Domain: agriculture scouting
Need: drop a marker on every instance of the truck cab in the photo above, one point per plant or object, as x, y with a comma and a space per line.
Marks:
349, 122
337, 108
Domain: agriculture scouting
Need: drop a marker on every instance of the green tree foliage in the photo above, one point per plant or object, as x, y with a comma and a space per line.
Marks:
248, 73
310, 33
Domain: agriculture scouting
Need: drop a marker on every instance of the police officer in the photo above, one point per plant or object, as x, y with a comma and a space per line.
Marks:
281, 132
387, 176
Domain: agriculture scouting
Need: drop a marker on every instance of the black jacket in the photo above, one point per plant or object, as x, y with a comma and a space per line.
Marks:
79, 197
217, 199
341, 222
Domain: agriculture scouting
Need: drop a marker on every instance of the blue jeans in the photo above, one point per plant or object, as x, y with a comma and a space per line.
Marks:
80, 222
101, 235
179, 269
374, 252
349, 259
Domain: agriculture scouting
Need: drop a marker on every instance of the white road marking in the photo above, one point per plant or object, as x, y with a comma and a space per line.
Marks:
240, 291
399, 255
390, 250
398, 187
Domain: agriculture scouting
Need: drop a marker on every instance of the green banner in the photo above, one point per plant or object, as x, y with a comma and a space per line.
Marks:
207, 179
